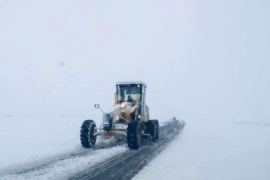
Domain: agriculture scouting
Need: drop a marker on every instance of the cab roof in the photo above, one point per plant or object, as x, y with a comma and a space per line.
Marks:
130, 82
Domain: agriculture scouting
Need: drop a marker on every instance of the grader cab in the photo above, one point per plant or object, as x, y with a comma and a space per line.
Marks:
131, 98
130, 118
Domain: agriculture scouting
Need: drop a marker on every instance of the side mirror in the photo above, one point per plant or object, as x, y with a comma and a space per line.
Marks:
98, 107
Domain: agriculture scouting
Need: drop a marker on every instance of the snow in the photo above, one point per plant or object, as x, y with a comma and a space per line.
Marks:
206, 62
214, 150
26, 138
35, 138
31, 141
28, 141
204, 149
68, 167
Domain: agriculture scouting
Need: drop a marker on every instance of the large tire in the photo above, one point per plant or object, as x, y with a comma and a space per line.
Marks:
88, 129
153, 129
134, 134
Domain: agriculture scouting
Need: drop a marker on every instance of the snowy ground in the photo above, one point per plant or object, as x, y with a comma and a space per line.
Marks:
214, 150
27, 138
31, 141
203, 61
48, 146
204, 150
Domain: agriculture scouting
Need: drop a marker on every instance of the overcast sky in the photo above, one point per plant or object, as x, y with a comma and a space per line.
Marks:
200, 59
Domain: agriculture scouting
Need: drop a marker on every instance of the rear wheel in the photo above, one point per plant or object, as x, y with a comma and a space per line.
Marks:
134, 134
88, 128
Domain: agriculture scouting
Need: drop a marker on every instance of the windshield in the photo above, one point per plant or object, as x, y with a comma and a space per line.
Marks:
128, 92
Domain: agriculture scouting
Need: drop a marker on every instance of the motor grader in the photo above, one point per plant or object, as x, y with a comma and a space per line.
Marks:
129, 119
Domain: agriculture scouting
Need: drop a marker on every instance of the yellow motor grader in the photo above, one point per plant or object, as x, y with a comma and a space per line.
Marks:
130, 118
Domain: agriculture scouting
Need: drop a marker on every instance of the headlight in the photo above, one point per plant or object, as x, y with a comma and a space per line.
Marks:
123, 105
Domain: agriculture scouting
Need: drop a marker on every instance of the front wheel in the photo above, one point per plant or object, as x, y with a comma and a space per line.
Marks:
88, 128
134, 134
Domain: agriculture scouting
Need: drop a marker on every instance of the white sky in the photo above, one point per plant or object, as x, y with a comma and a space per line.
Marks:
200, 59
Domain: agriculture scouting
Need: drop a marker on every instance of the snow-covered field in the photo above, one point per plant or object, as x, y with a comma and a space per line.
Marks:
30, 141
206, 62
204, 149
50, 145
208, 150
26, 138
